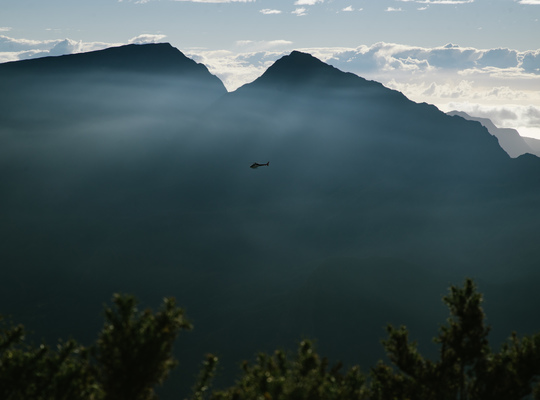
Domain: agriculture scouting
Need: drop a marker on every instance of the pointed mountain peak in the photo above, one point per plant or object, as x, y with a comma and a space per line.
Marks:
300, 69
297, 68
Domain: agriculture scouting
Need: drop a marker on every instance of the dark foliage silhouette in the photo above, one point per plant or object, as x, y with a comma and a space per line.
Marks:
133, 355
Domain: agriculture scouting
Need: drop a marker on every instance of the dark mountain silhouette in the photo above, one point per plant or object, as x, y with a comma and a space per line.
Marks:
148, 59
509, 139
133, 177
128, 79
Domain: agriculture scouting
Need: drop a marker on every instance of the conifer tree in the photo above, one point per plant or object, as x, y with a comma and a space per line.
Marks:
41, 373
467, 369
134, 349
306, 376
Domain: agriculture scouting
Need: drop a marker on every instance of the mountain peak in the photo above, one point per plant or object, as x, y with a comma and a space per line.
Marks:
299, 69
138, 58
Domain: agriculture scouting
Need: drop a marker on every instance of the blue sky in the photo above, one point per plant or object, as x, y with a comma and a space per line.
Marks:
481, 56
219, 24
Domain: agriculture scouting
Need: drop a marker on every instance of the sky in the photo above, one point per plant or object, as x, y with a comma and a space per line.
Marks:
477, 56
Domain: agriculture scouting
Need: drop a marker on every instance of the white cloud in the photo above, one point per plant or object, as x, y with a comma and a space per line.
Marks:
307, 2
5, 28
219, 1
19, 49
439, 1
530, 61
301, 11
236, 69
392, 9
147, 38
449, 89
530, 2
524, 118
192, 1
268, 11
348, 9
445, 1
249, 46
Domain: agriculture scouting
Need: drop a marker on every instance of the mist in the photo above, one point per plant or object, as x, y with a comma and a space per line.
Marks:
140, 183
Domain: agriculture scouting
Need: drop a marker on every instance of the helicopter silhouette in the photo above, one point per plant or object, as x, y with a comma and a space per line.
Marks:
257, 165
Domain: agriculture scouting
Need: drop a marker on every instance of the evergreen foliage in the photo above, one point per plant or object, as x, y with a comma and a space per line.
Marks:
42, 373
467, 368
134, 349
133, 354
305, 377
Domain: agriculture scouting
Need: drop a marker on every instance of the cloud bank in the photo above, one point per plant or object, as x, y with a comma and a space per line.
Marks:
12, 49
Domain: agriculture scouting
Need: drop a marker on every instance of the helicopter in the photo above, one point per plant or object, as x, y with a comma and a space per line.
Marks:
257, 165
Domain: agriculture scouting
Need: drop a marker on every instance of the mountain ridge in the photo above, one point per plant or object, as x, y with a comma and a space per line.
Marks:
154, 57
509, 139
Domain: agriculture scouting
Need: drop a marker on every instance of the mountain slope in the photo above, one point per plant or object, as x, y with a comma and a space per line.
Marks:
130, 79
425, 184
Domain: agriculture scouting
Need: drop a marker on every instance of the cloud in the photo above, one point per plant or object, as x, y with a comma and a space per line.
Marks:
445, 1
392, 9
248, 46
5, 28
66, 46
301, 11
20, 49
192, 1
268, 11
449, 90
218, 1
237, 69
530, 2
526, 119
391, 57
348, 9
438, 1
530, 61
307, 2
147, 38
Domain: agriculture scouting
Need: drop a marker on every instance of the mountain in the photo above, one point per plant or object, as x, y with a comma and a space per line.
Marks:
130, 79
509, 139
139, 182
159, 58
534, 144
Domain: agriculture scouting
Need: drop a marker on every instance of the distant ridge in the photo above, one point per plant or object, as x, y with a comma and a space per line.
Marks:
509, 139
